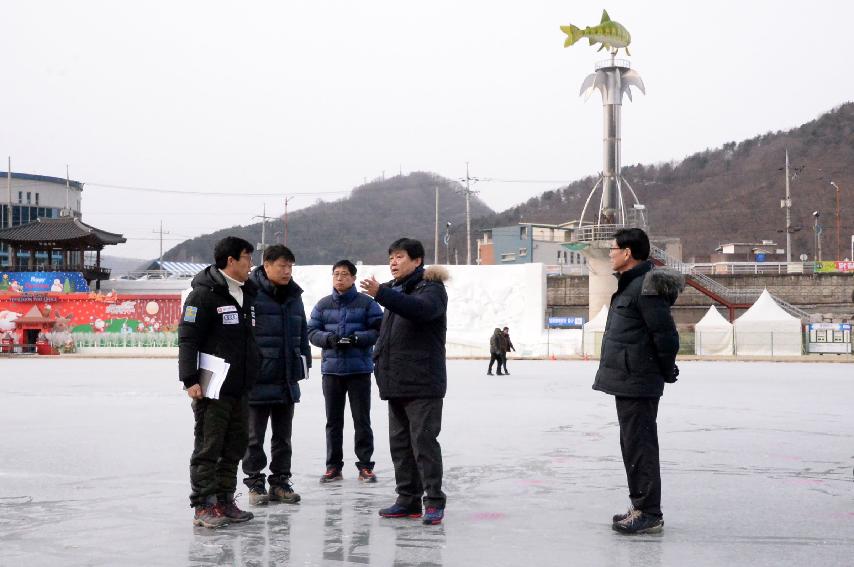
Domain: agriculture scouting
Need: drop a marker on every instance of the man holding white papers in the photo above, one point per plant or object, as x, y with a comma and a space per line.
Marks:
285, 359
217, 323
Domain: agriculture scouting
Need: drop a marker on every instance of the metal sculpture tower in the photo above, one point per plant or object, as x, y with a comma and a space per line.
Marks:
612, 78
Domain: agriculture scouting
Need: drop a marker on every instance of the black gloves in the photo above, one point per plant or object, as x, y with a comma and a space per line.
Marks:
331, 340
672, 378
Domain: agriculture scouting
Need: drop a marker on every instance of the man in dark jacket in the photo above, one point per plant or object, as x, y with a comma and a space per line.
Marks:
507, 346
496, 351
285, 358
638, 356
345, 326
217, 320
409, 365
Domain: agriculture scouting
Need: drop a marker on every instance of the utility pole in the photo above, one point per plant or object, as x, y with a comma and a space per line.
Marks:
788, 206
468, 192
838, 252
67, 202
263, 216
286, 217
436, 230
162, 232
9, 189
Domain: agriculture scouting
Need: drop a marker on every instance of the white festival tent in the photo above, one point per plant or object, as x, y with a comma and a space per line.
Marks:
593, 331
713, 335
766, 329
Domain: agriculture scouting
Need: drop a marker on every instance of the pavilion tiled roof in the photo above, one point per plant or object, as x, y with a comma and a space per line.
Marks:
61, 232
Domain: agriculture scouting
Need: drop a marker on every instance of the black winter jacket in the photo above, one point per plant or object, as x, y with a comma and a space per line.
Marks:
282, 337
409, 357
212, 322
640, 342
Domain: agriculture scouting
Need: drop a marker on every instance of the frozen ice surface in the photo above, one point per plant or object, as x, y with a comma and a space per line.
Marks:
756, 466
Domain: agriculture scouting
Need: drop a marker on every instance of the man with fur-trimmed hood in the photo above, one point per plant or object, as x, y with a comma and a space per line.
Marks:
409, 365
638, 356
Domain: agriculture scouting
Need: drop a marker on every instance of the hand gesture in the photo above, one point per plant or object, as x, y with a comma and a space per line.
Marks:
370, 286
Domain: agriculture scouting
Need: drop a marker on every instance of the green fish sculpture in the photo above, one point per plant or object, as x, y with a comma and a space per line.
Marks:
609, 33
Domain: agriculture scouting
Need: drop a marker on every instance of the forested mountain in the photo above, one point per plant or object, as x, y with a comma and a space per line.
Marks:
358, 227
727, 194
733, 193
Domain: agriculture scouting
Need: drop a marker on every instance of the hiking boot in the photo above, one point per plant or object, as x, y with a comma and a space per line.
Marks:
234, 514
367, 475
623, 516
401, 511
284, 493
434, 516
639, 522
258, 496
332, 474
210, 516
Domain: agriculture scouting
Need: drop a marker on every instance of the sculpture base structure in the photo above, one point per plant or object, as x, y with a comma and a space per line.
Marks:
601, 281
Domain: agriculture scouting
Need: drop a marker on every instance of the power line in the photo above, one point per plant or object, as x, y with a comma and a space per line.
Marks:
206, 193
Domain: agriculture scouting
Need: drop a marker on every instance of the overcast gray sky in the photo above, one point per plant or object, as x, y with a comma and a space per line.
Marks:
317, 96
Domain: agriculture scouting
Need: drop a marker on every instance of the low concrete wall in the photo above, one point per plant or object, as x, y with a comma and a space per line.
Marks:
819, 293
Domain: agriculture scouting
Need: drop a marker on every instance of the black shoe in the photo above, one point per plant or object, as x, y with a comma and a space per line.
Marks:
639, 523
332, 474
489, 373
500, 373
401, 511
623, 516
434, 516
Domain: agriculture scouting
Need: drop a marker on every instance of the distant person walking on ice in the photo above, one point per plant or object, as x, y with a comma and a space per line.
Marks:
496, 351
507, 346
218, 320
345, 325
409, 365
638, 356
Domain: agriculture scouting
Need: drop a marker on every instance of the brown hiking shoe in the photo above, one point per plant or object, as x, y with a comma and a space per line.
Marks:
332, 474
233, 513
210, 516
367, 475
258, 496
284, 494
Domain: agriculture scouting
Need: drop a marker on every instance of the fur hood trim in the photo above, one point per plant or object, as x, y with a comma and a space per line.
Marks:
665, 282
436, 274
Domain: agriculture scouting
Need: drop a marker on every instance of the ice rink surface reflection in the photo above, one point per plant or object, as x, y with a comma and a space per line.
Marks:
756, 464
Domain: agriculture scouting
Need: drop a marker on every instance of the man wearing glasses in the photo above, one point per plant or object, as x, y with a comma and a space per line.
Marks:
218, 320
345, 326
638, 356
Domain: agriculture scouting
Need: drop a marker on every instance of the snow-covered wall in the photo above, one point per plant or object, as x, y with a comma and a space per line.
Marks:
480, 298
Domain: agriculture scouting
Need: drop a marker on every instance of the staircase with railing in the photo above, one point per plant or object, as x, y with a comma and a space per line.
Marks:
732, 298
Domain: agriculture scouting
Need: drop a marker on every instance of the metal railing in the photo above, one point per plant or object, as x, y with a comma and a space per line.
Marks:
43, 267
734, 296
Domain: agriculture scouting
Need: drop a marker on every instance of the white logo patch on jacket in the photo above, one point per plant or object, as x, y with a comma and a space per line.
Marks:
226, 309
230, 319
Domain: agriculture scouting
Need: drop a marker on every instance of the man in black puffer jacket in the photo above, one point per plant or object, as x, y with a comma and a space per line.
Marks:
409, 365
217, 320
638, 356
282, 337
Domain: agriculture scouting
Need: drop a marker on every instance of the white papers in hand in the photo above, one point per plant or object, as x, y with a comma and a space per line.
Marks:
212, 373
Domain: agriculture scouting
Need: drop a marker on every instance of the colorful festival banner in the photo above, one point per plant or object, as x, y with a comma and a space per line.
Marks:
42, 282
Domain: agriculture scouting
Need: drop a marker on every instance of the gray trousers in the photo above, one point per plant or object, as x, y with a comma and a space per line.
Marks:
413, 430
